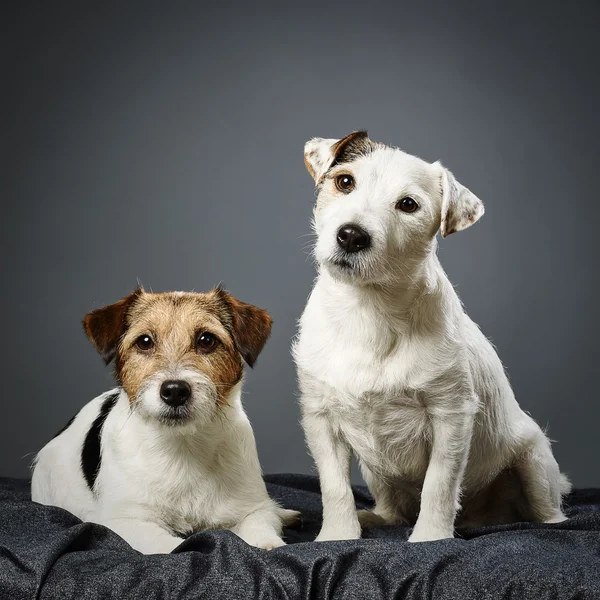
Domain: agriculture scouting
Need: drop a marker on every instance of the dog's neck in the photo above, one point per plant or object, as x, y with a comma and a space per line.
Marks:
412, 300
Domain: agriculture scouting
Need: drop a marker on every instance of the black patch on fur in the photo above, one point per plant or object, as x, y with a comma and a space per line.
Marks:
351, 147
69, 423
90, 453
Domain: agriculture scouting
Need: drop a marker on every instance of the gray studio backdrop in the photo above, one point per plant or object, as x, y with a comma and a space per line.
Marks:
163, 143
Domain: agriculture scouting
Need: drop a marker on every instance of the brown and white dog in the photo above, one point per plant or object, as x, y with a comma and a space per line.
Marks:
170, 451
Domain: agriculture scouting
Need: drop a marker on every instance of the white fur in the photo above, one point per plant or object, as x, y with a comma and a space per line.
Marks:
392, 369
156, 479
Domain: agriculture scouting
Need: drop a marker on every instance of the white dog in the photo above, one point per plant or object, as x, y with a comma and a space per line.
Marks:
392, 369
170, 451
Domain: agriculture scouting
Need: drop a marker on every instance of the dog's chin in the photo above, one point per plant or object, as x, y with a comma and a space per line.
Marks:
180, 419
175, 416
346, 270
341, 269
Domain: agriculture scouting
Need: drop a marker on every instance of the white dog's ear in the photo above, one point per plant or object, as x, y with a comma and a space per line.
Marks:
460, 206
321, 153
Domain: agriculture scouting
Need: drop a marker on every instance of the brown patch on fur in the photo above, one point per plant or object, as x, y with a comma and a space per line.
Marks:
347, 149
308, 163
251, 326
106, 325
460, 207
351, 147
174, 321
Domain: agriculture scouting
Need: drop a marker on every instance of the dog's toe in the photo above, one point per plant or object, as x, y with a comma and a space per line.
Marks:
269, 543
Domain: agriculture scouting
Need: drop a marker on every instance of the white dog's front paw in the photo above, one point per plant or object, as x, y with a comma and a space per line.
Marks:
558, 517
334, 534
429, 534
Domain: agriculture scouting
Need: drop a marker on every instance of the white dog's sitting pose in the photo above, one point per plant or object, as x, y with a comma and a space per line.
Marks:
392, 369
170, 451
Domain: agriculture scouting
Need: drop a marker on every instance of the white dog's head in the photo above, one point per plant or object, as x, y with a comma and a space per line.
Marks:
379, 209
179, 356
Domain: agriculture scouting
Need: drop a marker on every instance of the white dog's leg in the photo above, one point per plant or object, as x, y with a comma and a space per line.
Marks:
441, 488
542, 481
332, 456
148, 538
262, 528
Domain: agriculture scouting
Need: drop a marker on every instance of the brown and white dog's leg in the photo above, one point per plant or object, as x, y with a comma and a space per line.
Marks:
144, 536
262, 527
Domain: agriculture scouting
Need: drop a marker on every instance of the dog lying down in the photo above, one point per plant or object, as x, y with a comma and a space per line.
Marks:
392, 369
170, 451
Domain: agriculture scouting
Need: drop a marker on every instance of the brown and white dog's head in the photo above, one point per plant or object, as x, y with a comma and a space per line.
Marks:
178, 355
379, 209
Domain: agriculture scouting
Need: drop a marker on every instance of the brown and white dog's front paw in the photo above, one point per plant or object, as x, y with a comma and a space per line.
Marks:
264, 541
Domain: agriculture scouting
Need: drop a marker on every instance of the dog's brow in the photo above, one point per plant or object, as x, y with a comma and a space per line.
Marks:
215, 324
342, 168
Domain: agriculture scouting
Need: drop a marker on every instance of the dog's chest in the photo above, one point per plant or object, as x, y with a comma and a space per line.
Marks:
372, 388
190, 506
180, 490
361, 352
390, 433
186, 497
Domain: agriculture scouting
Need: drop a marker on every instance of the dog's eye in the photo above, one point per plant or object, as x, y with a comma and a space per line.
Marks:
407, 205
144, 342
206, 342
344, 183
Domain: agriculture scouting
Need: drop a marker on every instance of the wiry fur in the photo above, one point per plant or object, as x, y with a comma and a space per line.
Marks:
166, 473
392, 369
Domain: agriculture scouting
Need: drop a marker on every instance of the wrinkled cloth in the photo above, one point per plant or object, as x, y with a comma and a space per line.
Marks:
45, 552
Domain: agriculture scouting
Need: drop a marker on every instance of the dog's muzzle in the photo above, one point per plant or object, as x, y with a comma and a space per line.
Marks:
176, 395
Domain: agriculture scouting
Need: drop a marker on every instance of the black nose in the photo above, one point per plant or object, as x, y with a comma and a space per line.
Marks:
175, 393
353, 238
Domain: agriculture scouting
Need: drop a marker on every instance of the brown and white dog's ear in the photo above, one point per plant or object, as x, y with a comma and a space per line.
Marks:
105, 326
460, 206
321, 153
251, 326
